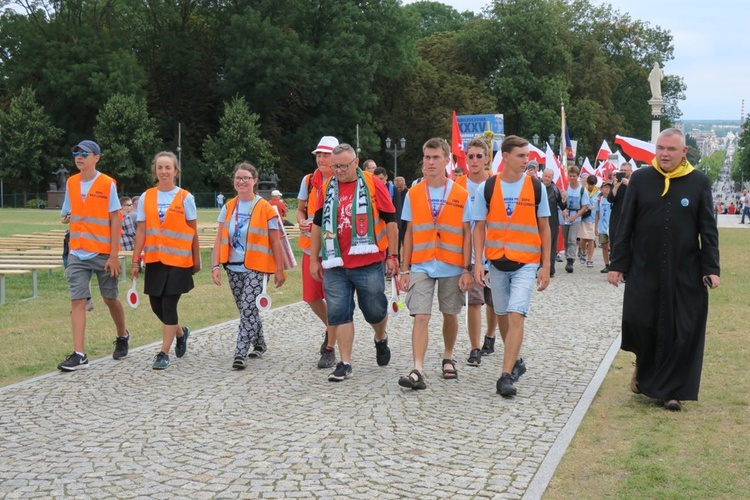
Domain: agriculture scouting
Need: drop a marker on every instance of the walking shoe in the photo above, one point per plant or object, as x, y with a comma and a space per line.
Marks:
569, 266
89, 305
161, 361
257, 351
580, 253
74, 362
180, 347
505, 386
475, 357
582, 258
489, 346
589, 263
519, 368
121, 346
559, 258
324, 344
327, 358
382, 352
239, 363
605, 270
341, 372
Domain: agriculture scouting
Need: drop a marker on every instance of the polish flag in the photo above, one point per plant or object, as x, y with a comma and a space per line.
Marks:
586, 168
497, 163
604, 152
605, 169
558, 178
536, 154
635, 148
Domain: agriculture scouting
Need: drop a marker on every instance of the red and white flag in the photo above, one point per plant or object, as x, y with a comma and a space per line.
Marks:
586, 168
457, 146
637, 149
604, 152
536, 154
559, 178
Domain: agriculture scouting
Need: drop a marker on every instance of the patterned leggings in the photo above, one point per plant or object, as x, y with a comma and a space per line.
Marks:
245, 288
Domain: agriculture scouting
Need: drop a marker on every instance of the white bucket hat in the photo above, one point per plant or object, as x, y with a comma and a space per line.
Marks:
326, 144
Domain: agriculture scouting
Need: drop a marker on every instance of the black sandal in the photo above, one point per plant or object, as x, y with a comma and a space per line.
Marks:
450, 373
408, 382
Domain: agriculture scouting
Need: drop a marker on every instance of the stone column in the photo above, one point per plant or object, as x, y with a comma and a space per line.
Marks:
656, 105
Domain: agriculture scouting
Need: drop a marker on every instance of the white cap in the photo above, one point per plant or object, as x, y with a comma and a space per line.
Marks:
275, 192
326, 144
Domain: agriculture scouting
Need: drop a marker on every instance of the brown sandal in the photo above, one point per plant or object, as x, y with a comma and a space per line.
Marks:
409, 382
450, 373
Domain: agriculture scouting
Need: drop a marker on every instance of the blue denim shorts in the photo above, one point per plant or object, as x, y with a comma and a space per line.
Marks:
511, 291
369, 283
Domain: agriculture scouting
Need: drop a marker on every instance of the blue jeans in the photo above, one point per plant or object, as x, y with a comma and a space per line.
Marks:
511, 291
369, 283
745, 211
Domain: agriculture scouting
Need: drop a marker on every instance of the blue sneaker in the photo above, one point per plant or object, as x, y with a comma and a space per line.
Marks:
180, 347
161, 361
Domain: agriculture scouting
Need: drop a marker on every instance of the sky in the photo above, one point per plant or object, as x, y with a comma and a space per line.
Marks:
711, 49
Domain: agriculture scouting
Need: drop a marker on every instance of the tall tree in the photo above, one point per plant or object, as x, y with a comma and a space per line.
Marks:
128, 137
238, 139
26, 133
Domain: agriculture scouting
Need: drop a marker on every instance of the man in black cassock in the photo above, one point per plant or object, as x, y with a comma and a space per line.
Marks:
668, 245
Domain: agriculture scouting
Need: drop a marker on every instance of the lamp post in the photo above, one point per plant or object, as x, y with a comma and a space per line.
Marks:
552, 140
396, 152
535, 138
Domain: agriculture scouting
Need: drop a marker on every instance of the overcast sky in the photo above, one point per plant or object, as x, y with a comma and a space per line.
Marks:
711, 49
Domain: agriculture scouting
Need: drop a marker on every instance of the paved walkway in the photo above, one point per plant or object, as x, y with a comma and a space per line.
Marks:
280, 429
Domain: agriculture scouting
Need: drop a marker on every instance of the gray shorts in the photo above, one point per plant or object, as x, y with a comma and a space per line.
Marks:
603, 239
78, 273
422, 290
480, 295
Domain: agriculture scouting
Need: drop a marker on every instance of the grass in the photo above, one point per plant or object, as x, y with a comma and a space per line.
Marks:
630, 447
35, 334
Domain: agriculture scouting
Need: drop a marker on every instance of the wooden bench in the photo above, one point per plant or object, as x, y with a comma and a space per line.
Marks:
3, 273
33, 268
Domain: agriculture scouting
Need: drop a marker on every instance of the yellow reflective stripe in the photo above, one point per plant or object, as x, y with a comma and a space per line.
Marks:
450, 229
523, 248
89, 236
450, 248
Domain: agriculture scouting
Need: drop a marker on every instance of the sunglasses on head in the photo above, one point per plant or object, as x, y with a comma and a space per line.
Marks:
471, 156
85, 154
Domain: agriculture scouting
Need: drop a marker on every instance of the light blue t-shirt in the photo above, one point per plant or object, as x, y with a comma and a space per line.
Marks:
591, 203
163, 200
114, 206
576, 201
604, 208
435, 268
237, 229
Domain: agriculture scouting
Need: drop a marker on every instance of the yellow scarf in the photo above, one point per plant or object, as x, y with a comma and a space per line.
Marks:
682, 169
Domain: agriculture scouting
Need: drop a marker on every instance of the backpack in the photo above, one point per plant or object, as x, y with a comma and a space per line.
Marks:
504, 264
587, 213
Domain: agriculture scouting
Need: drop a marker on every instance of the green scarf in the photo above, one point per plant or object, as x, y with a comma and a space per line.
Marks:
682, 169
363, 232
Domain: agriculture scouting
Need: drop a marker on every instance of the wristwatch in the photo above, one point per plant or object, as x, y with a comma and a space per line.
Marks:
469, 268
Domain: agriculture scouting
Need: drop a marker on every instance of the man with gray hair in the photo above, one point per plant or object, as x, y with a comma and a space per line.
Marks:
668, 245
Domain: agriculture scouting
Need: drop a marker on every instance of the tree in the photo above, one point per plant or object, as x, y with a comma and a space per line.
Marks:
127, 135
712, 164
435, 17
237, 140
741, 169
26, 133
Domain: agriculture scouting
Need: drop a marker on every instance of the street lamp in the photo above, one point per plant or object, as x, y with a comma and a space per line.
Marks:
396, 152
535, 138
552, 140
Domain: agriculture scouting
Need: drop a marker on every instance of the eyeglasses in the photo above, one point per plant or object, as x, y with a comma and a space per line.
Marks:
128, 204
342, 167
243, 179
478, 156
85, 154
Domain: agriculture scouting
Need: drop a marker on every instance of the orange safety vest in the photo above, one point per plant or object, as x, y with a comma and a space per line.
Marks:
258, 253
381, 238
461, 181
312, 205
169, 242
89, 220
516, 239
440, 239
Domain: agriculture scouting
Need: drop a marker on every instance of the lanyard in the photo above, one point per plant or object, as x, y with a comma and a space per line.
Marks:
236, 234
441, 205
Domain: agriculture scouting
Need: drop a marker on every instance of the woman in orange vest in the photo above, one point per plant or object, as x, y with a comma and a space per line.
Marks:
248, 245
167, 234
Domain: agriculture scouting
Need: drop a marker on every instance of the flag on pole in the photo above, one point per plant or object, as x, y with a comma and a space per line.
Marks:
604, 152
635, 148
563, 141
536, 154
586, 168
457, 145
604, 169
558, 177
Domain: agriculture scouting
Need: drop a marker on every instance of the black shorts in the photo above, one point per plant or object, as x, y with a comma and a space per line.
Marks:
162, 279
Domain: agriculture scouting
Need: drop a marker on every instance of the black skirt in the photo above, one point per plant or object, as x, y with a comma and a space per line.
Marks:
162, 279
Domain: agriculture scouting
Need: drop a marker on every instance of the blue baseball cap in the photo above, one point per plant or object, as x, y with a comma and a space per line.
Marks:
89, 146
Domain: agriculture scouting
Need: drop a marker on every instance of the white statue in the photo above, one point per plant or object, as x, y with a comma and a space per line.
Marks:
654, 80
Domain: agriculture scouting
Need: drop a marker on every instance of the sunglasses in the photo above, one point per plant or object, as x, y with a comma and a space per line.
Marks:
478, 156
85, 154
